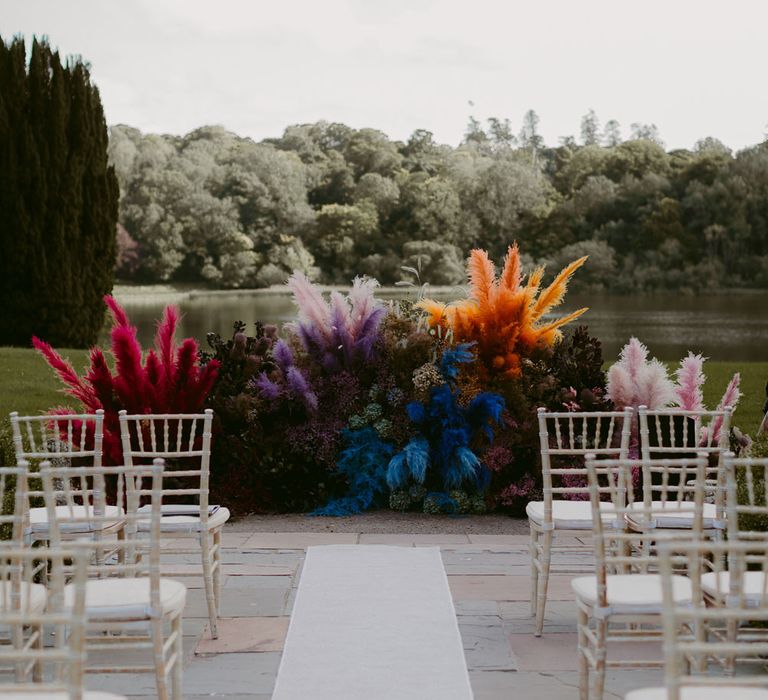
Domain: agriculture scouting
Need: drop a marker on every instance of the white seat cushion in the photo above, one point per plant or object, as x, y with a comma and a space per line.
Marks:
567, 515
127, 598
186, 523
717, 585
38, 519
701, 692
632, 592
673, 515
33, 596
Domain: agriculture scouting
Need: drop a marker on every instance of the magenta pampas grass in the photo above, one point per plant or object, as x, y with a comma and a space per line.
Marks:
117, 311
76, 387
164, 342
690, 379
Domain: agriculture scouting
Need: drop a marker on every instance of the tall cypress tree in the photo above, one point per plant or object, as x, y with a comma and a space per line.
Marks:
58, 199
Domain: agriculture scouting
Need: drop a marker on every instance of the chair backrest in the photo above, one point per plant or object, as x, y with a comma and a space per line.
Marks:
131, 555
14, 503
182, 437
57, 438
738, 603
747, 497
54, 437
28, 610
565, 440
673, 432
623, 526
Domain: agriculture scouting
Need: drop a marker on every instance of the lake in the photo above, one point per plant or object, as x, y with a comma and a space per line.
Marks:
724, 328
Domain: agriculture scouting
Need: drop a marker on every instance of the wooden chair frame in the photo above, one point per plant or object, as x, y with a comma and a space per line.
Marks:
118, 601
607, 612
185, 437
63, 657
61, 440
683, 652
563, 434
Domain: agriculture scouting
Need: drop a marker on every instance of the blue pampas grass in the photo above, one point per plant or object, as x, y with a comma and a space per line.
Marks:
364, 461
453, 357
411, 463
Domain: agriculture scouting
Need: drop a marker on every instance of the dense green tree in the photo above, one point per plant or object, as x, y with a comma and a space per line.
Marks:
590, 129
58, 199
529, 133
335, 202
611, 133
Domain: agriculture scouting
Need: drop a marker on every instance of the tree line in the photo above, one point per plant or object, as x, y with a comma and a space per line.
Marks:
335, 202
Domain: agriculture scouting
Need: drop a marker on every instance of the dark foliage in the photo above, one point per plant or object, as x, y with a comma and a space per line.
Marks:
58, 199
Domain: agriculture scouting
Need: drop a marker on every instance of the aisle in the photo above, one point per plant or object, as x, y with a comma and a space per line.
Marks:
374, 622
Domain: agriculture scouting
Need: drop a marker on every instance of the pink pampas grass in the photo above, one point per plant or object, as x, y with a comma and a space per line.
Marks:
690, 379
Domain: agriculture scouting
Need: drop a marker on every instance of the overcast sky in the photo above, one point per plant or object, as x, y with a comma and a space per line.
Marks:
693, 67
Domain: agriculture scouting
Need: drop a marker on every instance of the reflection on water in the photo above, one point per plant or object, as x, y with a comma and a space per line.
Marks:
722, 327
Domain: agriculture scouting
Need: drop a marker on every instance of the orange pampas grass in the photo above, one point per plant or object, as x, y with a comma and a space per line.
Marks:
502, 316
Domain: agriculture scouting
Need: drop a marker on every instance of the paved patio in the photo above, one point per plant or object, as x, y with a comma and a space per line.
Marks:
489, 580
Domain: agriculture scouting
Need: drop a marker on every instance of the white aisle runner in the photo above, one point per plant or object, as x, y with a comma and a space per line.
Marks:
373, 622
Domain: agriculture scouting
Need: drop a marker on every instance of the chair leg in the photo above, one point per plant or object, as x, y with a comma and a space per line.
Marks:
534, 547
583, 641
161, 680
178, 666
205, 546
541, 592
732, 633
37, 669
217, 572
600, 653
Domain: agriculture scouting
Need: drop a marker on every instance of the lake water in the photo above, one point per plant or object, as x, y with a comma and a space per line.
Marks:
725, 328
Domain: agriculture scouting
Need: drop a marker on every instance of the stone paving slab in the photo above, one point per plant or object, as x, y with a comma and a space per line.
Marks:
564, 685
474, 587
298, 540
486, 646
559, 652
245, 634
414, 540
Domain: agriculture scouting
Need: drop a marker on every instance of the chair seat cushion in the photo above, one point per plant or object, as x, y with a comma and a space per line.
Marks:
33, 596
186, 523
673, 515
38, 519
566, 515
716, 584
632, 592
127, 598
701, 692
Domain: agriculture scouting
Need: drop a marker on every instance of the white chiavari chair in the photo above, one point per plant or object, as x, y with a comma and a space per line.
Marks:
184, 441
671, 433
64, 440
24, 603
741, 604
622, 602
128, 605
565, 439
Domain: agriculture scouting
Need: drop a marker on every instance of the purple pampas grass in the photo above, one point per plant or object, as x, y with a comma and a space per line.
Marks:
268, 389
283, 355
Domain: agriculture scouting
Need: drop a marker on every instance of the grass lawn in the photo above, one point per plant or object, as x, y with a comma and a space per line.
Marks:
28, 385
